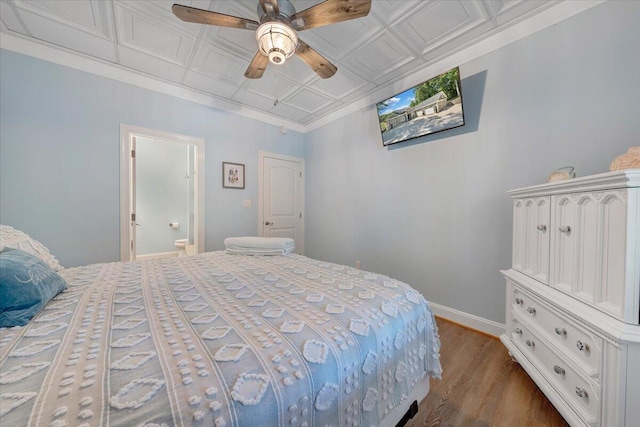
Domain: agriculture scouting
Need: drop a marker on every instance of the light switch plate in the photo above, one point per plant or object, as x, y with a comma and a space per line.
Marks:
246, 203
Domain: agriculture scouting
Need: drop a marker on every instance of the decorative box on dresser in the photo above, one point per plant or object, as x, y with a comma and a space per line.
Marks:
573, 295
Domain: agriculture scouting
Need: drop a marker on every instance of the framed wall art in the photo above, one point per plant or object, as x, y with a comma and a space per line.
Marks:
232, 175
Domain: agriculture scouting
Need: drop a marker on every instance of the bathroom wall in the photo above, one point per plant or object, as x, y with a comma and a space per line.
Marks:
163, 176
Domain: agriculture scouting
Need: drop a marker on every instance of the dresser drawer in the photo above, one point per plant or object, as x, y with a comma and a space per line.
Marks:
580, 393
583, 347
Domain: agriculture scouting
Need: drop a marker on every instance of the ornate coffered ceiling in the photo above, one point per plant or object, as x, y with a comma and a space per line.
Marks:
144, 39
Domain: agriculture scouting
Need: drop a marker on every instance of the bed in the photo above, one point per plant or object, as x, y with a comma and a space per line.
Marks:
220, 339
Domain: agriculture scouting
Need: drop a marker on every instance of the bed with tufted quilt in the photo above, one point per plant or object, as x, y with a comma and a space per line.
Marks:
219, 339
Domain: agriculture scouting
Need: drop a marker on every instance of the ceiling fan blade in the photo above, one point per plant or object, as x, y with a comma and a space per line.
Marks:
201, 16
257, 67
317, 62
329, 12
271, 8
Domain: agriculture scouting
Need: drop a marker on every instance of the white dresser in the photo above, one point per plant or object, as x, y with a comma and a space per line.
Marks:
573, 295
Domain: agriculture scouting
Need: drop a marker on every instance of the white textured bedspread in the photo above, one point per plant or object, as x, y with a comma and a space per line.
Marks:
218, 340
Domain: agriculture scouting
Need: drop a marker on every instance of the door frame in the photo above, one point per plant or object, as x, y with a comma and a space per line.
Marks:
128, 131
261, 156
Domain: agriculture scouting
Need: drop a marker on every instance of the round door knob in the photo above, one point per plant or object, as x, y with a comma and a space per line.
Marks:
268, 223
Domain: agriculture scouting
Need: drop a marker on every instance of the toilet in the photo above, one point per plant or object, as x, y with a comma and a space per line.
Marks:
182, 244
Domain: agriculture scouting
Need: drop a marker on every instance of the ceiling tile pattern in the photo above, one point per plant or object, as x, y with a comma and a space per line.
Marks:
396, 38
439, 23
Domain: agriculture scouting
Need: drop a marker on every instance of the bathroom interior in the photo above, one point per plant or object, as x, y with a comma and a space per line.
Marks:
164, 198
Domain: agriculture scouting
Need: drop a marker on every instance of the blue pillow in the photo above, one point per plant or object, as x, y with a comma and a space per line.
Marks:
26, 284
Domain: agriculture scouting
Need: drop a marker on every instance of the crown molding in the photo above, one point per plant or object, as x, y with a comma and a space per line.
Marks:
626, 178
71, 59
544, 19
48, 52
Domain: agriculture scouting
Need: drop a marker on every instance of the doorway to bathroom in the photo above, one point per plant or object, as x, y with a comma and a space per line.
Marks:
161, 194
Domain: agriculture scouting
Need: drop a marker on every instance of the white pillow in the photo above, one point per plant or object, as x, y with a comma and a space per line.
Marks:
12, 238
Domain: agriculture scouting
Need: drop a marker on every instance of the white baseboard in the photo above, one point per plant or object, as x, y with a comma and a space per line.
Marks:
474, 322
160, 255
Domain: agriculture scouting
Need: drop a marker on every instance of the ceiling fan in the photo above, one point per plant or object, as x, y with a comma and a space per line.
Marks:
276, 32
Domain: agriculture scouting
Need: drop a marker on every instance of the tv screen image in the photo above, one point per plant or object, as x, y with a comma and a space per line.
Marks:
429, 107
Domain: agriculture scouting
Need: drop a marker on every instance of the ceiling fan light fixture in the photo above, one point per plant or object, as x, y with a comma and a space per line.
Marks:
277, 41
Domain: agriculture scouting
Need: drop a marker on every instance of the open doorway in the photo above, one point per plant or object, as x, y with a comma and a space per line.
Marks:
161, 194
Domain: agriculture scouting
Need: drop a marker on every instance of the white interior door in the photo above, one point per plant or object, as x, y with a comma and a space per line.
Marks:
281, 198
132, 200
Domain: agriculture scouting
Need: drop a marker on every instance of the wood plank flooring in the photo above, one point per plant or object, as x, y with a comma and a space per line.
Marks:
482, 386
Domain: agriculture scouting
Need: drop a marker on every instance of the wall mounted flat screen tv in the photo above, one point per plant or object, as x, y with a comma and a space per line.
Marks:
432, 106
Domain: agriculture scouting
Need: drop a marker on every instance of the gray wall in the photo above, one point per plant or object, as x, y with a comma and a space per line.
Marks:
60, 165
434, 212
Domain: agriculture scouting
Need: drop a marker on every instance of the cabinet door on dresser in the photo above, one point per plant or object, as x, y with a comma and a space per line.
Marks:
574, 323
531, 237
589, 247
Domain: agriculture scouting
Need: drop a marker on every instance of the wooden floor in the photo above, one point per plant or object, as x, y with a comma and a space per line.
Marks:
481, 386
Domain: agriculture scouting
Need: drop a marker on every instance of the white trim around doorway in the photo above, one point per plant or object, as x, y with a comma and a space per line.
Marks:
126, 132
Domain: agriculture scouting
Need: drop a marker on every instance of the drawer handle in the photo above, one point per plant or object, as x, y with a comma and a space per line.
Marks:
531, 343
519, 301
582, 393
558, 370
561, 331
542, 227
518, 331
565, 229
531, 310
582, 346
